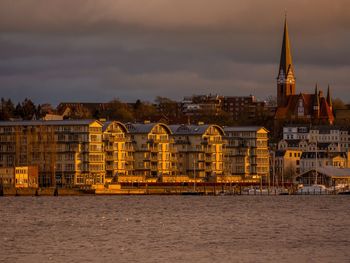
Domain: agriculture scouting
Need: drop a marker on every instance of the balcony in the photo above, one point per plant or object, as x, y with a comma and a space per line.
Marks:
110, 158
109, 148
109, 167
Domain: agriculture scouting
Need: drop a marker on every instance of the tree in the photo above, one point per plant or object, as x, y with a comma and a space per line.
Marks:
338, 104
145, 111
80, 112
7, 109
120, 111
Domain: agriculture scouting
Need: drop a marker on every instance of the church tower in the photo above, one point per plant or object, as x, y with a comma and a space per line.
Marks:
285, 79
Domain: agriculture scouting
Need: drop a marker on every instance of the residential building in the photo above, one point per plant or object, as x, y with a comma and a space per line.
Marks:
118, 150
154, 151
67, 153
287, 164
7, 178
200, 150
199, 104
19, 177
245, 108
308, 160
247, 152
305, 138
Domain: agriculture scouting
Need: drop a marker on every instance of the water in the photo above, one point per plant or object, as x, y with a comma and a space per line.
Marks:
175, 229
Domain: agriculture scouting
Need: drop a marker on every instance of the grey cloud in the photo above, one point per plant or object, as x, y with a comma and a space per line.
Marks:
97, 50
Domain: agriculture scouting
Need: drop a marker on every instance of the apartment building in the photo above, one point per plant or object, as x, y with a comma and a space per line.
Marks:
245, 107
154, 151
309, 161
337, 137
19, 177
287, 164
118, 150
200, 150
67, 152
247, 152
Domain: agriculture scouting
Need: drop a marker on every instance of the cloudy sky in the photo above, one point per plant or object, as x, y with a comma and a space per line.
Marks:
89, 50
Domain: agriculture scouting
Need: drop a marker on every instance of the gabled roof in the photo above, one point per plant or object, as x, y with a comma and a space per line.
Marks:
308, 103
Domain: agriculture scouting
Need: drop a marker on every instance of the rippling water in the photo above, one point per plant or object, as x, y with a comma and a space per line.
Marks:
175, 229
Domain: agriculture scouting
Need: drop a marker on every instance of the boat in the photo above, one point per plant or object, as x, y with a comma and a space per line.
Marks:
313, 189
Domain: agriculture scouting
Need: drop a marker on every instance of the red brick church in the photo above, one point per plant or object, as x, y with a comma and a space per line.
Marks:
298, 108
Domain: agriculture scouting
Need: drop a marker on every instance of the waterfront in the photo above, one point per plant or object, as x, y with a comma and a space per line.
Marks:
175, 229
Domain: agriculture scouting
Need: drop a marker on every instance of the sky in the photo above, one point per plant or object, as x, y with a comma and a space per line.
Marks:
94, 51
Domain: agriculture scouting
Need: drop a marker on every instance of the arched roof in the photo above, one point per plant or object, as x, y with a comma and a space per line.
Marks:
194, 129
145, 127
107, 124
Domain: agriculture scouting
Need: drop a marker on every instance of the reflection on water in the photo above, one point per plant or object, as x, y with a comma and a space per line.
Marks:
175, 229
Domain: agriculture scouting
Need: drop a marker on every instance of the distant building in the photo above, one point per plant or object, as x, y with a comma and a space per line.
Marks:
7, 178
328, 175
287, 164
305, 138
239, 108
302, 107
247, 152
200, 104
308, 160
245, 108
19, 177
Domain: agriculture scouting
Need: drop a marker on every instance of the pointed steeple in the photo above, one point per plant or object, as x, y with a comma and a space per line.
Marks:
286, 63
285, 79
316, 94
316, 105
329, 98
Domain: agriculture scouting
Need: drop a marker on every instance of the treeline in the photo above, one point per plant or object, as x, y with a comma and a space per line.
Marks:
164, 109
25, 110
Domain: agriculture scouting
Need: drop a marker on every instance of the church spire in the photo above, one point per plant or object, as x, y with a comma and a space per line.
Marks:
286, 63
329, 98
316, 103
285, 79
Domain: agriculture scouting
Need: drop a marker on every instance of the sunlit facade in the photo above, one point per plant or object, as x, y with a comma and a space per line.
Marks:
67, 153
200, 150
247, 152
118, 150
154, 152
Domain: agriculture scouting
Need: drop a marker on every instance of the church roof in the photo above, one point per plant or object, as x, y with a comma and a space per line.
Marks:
308, 104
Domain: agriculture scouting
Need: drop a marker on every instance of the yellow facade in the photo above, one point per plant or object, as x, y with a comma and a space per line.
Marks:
200, 150
247, 152
153, 149
118, 150
287, 164
67, 153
